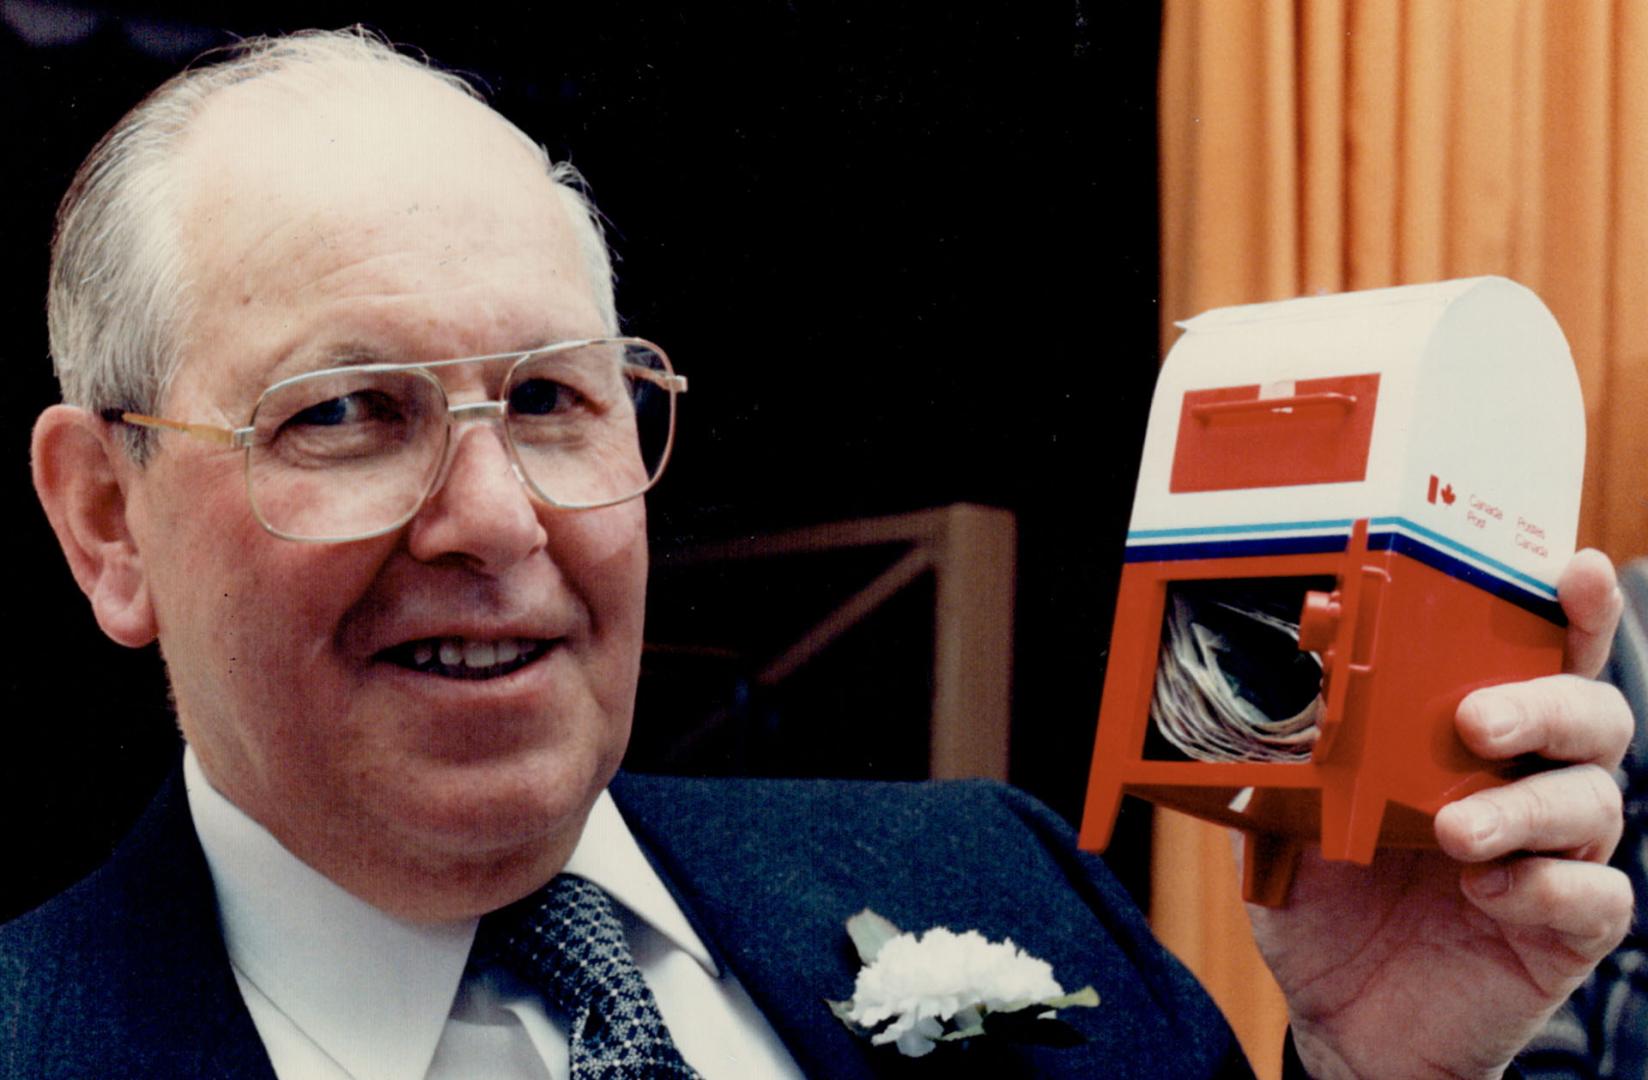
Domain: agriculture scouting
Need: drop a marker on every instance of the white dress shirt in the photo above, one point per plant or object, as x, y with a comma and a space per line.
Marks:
339, 990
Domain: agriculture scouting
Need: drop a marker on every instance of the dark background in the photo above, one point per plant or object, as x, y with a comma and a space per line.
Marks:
906, 254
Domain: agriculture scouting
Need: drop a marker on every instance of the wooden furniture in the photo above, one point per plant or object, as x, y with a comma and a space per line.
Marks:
969, 551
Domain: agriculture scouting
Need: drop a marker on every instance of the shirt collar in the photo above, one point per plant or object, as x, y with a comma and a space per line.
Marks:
608, 855
371, 990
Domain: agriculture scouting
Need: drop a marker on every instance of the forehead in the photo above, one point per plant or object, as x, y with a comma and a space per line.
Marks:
366, 210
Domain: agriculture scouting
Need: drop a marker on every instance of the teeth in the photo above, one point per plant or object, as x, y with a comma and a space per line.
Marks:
473, 654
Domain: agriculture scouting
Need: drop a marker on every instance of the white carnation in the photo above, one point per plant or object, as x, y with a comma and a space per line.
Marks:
921, 982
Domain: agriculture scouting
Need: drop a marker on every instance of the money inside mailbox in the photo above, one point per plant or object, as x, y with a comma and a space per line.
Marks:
1351, 511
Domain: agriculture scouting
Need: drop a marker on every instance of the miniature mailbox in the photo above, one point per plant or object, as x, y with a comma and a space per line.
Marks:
1399, 470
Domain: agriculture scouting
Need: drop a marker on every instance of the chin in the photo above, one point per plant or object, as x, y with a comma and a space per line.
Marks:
508, 809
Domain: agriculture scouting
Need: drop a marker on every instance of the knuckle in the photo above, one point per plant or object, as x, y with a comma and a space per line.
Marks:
1609, 801
1565, 710
1573, 718
1616, 719
1535, 811
1619, 902
1578, 809
1539, 888
1605, 819
1608, 909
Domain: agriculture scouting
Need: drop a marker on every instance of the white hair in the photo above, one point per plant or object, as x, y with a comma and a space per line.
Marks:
118, 294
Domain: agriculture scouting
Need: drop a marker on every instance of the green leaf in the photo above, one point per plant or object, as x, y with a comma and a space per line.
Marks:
968, 1021
1086, 996
870, 932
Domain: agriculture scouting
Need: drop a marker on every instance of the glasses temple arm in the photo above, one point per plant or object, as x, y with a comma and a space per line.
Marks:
675, 384
209, 432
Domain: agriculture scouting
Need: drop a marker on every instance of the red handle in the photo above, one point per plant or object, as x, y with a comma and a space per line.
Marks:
1209, 410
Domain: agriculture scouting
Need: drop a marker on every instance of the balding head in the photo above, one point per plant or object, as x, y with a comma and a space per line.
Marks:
424, 713
120, 290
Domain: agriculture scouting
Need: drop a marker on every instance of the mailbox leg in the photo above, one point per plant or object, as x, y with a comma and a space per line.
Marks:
1104, 799
1268, 864
1367, 817
1336, 817
1351, 820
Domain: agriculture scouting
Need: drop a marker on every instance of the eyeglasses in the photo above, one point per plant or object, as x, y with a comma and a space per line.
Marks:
352, 452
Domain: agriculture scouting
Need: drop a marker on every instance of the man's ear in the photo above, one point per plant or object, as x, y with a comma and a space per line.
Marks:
78, 471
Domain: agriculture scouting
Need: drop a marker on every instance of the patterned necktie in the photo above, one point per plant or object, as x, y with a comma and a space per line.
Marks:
566, 942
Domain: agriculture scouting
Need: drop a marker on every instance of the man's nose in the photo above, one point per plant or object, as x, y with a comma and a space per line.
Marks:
481, 512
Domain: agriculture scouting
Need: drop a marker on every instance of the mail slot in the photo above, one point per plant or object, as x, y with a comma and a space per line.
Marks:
1389, 481
1315, 432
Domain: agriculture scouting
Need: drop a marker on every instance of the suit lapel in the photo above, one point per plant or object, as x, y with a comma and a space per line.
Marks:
788, 955
127, 973
769, 871
175, 953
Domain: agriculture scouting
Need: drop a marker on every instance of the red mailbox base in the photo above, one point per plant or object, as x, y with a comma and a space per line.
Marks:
1404, 642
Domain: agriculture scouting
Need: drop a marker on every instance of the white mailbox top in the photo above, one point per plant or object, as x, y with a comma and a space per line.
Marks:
1449, 415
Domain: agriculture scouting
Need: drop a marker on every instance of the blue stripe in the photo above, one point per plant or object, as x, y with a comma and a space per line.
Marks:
1230, 549
1525, 591
1419, 551
1226, 530
1438, 539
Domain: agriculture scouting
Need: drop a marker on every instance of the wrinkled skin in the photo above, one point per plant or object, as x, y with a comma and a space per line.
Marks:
393, 219
1445, 963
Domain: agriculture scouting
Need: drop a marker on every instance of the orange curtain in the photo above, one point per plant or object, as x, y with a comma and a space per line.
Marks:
1322, 145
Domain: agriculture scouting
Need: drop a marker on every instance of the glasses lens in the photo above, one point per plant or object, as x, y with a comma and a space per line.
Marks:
591, 425
346, 453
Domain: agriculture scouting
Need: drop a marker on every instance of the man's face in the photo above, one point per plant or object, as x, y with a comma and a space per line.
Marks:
403, 223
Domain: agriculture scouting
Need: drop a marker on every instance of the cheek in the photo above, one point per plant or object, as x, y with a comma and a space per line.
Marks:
604, 552
601, 536
249, 606
189, 528
260, 687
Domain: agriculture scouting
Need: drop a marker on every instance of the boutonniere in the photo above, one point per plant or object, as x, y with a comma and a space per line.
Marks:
942, 986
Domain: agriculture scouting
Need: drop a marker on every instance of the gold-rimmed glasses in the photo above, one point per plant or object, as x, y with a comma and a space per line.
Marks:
352, 452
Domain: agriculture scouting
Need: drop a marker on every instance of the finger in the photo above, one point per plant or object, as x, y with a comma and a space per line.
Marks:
1589, 593
1586, 905
1561, 717
1576, 810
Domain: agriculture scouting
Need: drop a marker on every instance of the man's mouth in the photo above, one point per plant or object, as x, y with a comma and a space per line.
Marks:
466, 658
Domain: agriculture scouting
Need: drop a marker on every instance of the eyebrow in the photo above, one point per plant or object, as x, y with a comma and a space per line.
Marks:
307, 358
347, 356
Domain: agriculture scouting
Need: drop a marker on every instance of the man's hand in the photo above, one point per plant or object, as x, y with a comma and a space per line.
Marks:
1446, 963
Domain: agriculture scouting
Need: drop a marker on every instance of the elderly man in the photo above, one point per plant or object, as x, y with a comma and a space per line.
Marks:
350, 433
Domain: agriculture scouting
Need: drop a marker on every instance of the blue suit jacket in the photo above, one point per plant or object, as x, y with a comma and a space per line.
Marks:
126, 974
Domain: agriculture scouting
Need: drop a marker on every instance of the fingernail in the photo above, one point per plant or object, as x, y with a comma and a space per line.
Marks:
1500, 724
1492, 881
1484, 822
1485, 711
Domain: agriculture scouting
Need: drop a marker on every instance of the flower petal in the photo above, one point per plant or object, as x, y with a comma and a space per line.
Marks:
870, 932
